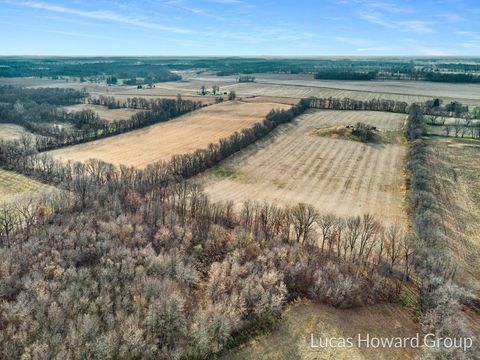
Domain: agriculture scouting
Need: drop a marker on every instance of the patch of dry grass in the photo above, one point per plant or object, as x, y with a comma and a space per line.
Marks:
291, 337
14, 187
11, 131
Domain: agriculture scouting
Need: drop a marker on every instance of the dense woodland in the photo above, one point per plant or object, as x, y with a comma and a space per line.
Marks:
434, 76
334, 74
30, 107
38, 110
124, 68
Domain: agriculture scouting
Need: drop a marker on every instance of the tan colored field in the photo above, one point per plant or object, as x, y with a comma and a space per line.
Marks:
457, 187
185, 134
12, 131
14, 186
291, 338
272, 88
280, 100
304, 91
293, 165
418, 88
383, 120
303, 85
104, 112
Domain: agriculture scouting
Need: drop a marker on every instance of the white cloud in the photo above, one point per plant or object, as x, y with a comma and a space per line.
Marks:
416, 26
451, 17
377, 18
102, 15
378, 49
388, 7
225, 1
351, 41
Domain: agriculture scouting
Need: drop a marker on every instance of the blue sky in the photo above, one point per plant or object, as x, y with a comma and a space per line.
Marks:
240, 27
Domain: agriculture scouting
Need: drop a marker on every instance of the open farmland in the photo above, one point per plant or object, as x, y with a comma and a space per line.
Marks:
278, 90
303, 85
291, 339
11, 131
456, 168
294, 165
104, 112
14, 186
185, 134
419, 88
383, 120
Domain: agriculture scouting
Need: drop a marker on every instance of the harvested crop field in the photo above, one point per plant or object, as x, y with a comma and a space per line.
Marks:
298, 91
456, 168
383, 120
293, 165
12, 132
291, 337
280, 90
184, 134
303, 85
104, 112
410, 87
14, 186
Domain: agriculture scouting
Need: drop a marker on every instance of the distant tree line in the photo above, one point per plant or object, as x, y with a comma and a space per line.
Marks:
340, 74
109, 68
152, 70
459, 66
51, 96
436, 76
30, 107
38, 109
245, 78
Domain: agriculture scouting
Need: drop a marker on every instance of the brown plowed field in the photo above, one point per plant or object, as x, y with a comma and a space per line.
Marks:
184, 134
292, 165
